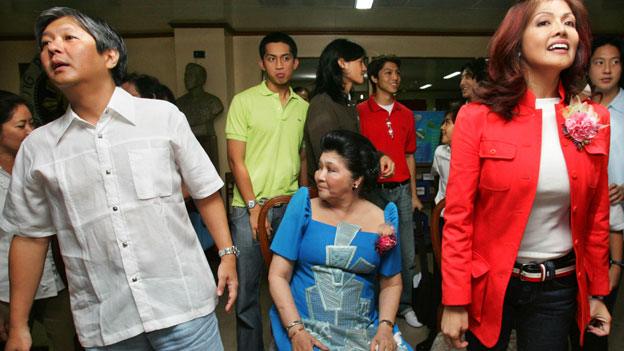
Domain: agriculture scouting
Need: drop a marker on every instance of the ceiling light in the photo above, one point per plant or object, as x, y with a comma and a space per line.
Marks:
454, 74
425, 86
363, 4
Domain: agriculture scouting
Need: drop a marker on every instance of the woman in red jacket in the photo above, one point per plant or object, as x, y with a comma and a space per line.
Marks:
526, 236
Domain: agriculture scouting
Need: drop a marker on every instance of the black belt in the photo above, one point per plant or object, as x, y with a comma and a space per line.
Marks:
547, 270
391, 185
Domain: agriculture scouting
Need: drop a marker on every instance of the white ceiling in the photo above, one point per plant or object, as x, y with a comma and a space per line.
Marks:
427, 16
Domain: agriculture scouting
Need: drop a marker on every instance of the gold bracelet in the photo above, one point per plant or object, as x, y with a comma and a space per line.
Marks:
292, 324
387, 322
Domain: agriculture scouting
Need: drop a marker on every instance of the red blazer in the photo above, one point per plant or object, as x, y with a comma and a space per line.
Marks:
490, 193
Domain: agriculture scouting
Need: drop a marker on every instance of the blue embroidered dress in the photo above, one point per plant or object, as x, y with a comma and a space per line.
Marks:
334, 278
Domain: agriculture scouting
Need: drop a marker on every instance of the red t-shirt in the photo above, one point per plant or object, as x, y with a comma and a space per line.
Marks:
373, 126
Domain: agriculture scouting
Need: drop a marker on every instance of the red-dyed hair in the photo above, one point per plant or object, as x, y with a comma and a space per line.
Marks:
506, 85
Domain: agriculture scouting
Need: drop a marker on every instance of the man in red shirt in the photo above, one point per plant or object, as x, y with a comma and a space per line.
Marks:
389, 125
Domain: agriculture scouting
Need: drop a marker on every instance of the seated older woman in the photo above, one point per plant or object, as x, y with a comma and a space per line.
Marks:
330, 254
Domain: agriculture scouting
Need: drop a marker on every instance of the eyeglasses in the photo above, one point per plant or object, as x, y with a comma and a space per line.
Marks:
390, 130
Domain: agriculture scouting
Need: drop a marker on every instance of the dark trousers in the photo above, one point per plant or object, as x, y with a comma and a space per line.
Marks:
541, 313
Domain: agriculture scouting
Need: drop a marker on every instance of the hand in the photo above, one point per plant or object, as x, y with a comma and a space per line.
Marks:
600, 323
226, 275
616, 193
385, 229
254, 213
384, 339
303, 341
416, 204
19, 339
386, 166
454, 325
614, 276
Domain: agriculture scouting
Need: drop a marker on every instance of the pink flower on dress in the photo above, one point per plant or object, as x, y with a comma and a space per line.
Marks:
581, 123
385, 243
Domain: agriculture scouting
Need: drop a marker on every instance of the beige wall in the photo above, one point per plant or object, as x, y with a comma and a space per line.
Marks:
232, 61
153, 56
13, 53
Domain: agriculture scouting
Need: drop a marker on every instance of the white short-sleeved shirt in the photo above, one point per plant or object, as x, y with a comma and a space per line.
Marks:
441, 166
51, 282
112, 194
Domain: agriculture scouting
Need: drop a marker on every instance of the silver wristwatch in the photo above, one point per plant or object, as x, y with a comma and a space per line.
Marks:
251, 204
232, 250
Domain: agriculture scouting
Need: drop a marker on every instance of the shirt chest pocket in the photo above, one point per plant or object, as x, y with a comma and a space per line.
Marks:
151, 172
497, 166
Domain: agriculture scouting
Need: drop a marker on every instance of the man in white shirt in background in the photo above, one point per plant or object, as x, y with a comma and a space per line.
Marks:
605, 75
106, 178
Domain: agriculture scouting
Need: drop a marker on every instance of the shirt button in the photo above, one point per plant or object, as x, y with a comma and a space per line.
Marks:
576, 242
134, 280
100, 136
492, 151
124, 244
108, 171
115, 208
574, 209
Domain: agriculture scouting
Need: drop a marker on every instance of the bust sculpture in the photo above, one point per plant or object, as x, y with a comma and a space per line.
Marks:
201, 109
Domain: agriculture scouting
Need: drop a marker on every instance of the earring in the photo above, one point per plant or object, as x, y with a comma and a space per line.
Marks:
355, 186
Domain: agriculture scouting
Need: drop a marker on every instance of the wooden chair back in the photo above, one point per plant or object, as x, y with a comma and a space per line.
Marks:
263, 234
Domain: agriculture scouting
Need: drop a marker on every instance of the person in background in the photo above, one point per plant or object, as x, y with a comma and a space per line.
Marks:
335, 274
264, 131
51, 305
341, 66
303, 92
442, 154
389, 125
148, 87
472, 74
526, 231
105, 178
605, 78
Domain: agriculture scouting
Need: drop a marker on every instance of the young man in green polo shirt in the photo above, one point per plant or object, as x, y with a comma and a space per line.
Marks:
264, 131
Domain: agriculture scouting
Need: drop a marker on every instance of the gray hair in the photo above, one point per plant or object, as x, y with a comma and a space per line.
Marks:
106, 38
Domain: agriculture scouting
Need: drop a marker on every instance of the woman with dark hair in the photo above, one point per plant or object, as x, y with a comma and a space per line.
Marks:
148, 87
51, 305
332, 107
527, 209
331, 253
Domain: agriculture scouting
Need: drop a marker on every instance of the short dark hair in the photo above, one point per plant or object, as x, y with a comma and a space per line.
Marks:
477, 68
453, 110
278, 37
377, 64
614, 41
361, 157
149, 87
106, 38
8, 103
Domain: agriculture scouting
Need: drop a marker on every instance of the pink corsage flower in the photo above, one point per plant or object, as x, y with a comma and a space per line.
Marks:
387, 239
581, 123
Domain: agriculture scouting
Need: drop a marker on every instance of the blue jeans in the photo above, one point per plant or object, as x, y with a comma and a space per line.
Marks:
402, 197
199, 334
541, 313
250, 267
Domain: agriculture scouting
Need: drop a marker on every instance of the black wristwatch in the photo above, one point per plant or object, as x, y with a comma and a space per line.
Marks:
618, 263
